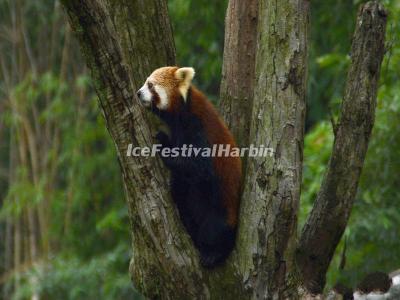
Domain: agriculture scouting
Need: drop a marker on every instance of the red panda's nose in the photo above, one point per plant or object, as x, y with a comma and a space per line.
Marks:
138, 93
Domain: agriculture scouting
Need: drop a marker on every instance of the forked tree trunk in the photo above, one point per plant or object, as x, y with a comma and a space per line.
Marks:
266, 44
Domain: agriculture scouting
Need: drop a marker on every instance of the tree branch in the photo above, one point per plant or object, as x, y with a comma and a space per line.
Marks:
237, 83
328, 218
163, 257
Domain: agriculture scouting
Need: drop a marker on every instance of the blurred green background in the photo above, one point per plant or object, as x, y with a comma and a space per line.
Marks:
64, 229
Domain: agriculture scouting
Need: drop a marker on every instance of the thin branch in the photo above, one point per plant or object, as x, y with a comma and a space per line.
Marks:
5, 75
333, 122
65, 53
54, 35
28, 49
329, 216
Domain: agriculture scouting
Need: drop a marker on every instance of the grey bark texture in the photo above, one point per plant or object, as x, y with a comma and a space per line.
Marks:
266, 45
237, 83
331, 211
267, 237
164, 259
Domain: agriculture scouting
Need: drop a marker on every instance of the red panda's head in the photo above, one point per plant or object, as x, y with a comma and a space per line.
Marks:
166, 88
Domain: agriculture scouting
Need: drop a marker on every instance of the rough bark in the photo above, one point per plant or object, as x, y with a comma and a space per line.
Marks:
237, 83
272, 187
163, 259
144, 34
328, 218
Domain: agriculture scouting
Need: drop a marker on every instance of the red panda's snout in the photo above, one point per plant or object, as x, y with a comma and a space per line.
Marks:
147, 95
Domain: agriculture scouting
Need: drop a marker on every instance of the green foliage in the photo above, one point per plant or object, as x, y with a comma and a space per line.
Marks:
92, 248
199, 37
332, 24
318, 144
70, 278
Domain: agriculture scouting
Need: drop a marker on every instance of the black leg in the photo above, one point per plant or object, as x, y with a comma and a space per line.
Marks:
216, 240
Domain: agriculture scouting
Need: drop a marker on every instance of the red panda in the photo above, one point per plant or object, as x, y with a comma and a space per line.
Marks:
206, 190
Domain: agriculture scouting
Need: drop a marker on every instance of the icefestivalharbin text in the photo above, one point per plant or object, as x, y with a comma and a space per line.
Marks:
217, 150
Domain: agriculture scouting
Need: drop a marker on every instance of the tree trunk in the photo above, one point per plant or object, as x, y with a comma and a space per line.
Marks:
164, 262
237, 83
272, 187
328, 219
123, 42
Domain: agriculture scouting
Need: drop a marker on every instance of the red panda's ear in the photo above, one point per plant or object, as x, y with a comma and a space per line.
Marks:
185, 76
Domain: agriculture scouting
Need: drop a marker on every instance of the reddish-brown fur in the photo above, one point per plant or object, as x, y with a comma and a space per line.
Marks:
229, 169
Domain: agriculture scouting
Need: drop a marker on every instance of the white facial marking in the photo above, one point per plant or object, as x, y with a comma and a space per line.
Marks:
146, 95
358, 296
396, 279
162, 94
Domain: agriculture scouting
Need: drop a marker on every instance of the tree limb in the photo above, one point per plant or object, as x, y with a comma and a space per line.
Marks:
163, 257
329, 216
237, 83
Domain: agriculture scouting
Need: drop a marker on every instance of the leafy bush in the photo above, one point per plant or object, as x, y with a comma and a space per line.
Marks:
70, 278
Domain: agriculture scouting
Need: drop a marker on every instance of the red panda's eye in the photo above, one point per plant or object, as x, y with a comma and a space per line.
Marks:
150, 85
